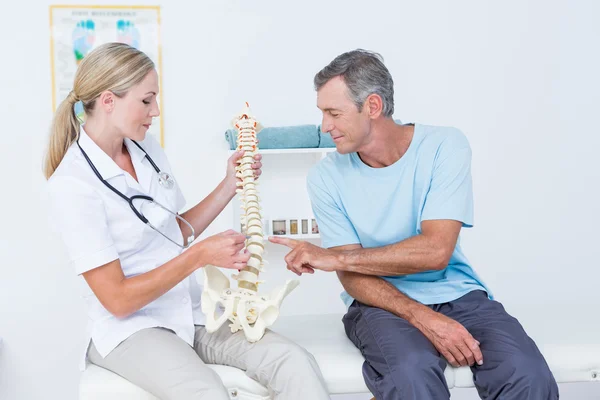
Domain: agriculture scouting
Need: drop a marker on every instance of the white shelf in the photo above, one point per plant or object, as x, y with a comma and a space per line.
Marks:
310, 150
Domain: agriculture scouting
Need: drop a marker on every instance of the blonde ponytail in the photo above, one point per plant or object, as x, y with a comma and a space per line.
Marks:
112, 66
63, 133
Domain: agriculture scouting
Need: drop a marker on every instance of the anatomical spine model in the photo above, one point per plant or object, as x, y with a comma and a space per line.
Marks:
244, 306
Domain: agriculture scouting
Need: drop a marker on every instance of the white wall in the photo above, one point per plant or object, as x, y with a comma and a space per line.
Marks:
519, 78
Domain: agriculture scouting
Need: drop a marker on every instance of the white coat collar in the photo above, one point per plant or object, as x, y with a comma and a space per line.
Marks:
105, 165
137, 154
143, 170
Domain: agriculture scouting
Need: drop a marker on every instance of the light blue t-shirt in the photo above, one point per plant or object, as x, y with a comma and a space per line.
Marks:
354, 203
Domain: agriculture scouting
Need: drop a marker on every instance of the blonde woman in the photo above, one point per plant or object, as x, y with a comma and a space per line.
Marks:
115, 202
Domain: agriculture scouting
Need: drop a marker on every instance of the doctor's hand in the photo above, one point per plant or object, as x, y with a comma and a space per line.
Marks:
232, 163
450, 338
223, 250
305, 257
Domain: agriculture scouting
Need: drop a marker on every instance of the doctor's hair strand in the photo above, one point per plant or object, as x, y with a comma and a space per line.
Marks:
64, 132
114, 67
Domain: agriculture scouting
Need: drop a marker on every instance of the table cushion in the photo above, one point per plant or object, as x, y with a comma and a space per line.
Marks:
341, 363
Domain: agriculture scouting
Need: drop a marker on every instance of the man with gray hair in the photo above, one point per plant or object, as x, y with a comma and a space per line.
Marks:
390, 205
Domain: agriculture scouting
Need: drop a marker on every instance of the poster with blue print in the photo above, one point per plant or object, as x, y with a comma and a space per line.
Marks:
77, 30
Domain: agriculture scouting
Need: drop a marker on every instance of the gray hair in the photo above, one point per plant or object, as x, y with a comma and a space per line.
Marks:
364, 73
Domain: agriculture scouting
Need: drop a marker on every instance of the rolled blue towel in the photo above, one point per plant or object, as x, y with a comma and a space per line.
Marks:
284, 137
230, 136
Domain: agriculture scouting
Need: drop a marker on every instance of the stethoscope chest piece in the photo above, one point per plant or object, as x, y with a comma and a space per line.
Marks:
166, 180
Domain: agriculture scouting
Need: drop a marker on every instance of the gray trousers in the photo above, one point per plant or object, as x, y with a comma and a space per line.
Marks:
402, 364
160, 362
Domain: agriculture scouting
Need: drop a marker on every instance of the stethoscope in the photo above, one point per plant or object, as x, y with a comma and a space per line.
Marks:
164, 179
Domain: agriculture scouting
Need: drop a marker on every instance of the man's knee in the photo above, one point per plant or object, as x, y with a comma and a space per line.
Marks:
419, 368
529, 376
416, 375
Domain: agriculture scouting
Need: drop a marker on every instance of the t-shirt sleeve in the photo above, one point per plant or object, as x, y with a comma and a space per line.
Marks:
334, 226
450, 194
78, 214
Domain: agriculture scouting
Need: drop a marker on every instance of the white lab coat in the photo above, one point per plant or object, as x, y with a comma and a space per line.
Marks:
98, 226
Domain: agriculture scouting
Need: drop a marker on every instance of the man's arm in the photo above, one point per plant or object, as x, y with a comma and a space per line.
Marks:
377, 292
429, 251
449, 337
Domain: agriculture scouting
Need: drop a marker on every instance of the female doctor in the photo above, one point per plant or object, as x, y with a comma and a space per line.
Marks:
115, 202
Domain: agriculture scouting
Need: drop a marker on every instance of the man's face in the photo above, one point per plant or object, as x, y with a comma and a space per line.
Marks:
349, 128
